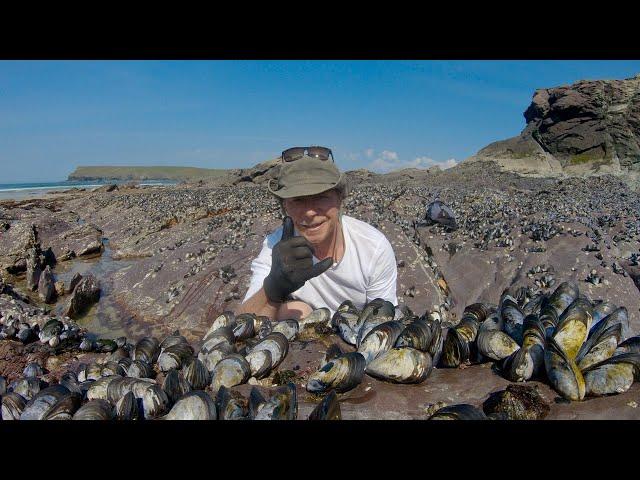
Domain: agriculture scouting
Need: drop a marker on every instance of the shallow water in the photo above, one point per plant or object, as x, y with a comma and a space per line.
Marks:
106, 318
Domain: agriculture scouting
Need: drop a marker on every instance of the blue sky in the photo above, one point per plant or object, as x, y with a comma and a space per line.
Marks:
56, 115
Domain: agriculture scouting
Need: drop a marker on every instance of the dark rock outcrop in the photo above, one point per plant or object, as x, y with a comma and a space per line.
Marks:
592, 126
46, 286
85, 294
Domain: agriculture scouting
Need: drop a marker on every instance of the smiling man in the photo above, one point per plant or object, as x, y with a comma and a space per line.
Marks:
319, 257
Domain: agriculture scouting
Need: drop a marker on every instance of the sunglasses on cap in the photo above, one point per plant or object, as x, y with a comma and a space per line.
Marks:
296, 153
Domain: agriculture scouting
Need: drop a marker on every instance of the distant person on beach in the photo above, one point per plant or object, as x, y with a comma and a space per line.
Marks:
319, 257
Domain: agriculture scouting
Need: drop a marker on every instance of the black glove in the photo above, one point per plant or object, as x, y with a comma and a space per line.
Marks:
291, 264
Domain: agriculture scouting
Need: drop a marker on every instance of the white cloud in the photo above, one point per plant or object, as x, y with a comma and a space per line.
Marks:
369, 152
388, 161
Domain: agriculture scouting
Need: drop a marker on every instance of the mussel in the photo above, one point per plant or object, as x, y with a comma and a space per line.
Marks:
415, 335
601, 344
128, 408
175, 356
563, 374
147, 349
245, 326
380, 339
140, 369
52, 403
341, 374
96, 409
289, 328
231, 371
154, 402
211, 357
282, 405
231, 405
196, 374
401, 365
175, 385
277, 344
196, 405
260, 363
12, 406
613, 375
327, 409
460, 411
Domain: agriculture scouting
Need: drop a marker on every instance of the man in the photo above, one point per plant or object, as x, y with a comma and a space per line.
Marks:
319, 257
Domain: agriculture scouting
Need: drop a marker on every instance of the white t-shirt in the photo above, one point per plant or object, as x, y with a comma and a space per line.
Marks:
366, 271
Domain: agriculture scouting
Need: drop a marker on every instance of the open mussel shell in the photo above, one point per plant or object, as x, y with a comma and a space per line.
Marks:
523, 364
226, 319
563, 296
231, 405
455, 350
289, 328
277, 344
128, 408
27, 387
600, 345
120, 386
563, 374
245, 326
175, 356
380, 339
196, 375
630, 345
327, 409
147, 349
52, 403
140, 369
196, 405
401, 365
340, 374
572, 329
33, 369
174, 339
12, 406
281, 405
460, 411
223, 335
231, 371
260, 363
211, 357
416, 335
154, 402
96, 409
175, 385
613, 375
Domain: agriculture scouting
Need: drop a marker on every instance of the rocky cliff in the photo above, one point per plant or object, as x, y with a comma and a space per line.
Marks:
592, 126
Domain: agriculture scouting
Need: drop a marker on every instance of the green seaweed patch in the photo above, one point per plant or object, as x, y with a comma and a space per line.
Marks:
582, 158
282, 377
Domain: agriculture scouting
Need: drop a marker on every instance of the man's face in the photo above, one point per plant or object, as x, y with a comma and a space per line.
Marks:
315, 216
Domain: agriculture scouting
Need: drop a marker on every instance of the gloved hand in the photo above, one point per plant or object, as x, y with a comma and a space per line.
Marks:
291, 264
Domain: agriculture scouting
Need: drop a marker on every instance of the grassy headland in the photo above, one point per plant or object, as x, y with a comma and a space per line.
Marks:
144, 173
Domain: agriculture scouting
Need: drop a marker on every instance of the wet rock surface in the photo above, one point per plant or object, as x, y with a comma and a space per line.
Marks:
176, 257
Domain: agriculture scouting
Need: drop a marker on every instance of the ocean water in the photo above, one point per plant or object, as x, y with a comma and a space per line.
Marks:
22, 191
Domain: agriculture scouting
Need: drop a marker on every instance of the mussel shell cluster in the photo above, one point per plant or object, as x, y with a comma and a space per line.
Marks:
581, 346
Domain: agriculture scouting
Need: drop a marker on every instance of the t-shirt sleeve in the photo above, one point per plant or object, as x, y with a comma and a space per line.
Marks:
260, 268
384, 275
